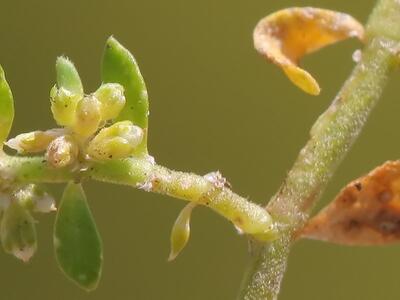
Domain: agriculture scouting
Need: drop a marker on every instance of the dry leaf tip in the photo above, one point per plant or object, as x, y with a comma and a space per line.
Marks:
285, 36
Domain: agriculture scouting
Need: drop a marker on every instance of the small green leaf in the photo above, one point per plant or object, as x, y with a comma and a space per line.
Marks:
6, 108
76, 239
67, 76
119, 66
181, 231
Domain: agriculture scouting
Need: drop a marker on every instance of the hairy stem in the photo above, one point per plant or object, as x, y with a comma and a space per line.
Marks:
331, 138
208, 190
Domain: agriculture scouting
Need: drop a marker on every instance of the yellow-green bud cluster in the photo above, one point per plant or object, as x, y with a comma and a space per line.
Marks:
83, 118
84, 114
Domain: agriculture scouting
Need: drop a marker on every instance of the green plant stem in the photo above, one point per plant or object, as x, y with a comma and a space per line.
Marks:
331, 138
206, 190
141, 173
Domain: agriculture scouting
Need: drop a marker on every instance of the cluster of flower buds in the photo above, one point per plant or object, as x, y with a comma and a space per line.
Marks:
83, 114
83, 118
17, 226
110, 123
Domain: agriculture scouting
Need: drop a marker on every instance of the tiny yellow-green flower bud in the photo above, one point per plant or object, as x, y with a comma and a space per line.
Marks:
63, 105
111, 96
33, 142
18, 232
88, 116
117, 141
62, 151
181, 231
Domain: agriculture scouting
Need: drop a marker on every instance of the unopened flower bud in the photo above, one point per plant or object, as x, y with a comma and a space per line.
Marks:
111, 96
18, 232
63, 105
117, 141
34, 198
62, 151
88, 116
33, 142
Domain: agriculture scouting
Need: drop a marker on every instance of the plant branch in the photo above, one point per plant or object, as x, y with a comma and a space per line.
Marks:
331, 138
208, 190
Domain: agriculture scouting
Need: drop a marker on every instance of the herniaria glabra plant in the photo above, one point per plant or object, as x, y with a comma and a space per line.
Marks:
103, 136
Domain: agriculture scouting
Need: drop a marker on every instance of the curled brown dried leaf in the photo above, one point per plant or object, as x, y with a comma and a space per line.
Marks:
287, 35
366, 211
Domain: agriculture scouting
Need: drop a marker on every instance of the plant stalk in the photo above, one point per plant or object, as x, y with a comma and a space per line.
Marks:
331, 138
209, 190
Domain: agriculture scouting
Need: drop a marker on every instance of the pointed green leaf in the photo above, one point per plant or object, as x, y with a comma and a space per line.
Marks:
119, 66
6, 108
181, 231
76, 240
67, 76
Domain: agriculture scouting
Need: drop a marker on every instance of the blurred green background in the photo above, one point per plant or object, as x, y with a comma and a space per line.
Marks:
215, 105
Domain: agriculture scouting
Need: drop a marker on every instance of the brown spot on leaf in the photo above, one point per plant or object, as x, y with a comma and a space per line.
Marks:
366, 211
358, 186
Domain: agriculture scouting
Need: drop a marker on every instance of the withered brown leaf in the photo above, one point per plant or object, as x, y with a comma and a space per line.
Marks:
366, 211
285, 36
